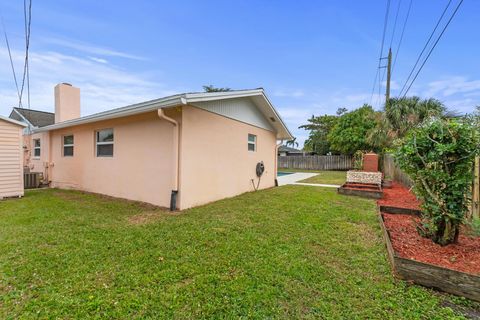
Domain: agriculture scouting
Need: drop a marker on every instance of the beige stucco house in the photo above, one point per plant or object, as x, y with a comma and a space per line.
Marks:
179, 151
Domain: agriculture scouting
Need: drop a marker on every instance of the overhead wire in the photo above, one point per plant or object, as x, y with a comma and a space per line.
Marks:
433, 47
402, 34
25, 78
425, 46
11, 59
377, 74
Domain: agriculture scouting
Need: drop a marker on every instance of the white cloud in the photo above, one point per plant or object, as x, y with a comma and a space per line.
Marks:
453, 85
99, 60
90, 49
293, 93
103, 86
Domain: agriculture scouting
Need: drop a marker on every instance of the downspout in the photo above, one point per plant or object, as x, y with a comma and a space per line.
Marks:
176, 142
276, 161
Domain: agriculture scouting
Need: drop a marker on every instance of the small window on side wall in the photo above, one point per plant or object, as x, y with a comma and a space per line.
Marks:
36, 148
252, 142
68, 146
104, 143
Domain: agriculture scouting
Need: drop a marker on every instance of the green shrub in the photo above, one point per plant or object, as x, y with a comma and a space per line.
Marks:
439, 156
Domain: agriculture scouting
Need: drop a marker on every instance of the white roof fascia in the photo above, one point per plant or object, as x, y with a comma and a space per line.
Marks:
18, 123
117, 113
208, 96
29, 124
175, 100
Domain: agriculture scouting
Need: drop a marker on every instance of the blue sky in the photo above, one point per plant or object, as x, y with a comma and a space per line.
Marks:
311, 57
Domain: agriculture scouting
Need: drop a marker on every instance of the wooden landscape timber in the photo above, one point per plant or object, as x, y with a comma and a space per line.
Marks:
428, 275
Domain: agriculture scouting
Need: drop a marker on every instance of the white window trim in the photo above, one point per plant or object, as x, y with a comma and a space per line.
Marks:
68, 145
35, 148
254, 142
97, 143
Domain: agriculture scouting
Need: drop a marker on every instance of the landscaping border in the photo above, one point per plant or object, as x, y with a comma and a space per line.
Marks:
398, 210
371, 194
442, 279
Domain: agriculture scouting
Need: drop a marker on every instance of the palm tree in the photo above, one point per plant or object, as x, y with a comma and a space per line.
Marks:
292, 143
399, 116
405, 113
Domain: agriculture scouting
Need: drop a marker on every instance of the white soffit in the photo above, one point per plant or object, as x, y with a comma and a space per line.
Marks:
241, 109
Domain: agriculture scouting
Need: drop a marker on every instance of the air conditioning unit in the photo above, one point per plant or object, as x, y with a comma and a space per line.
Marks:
32, 180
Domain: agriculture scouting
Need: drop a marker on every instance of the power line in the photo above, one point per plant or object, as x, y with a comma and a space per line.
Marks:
28, 20
425, 47
395, 23
385, 23
403, 32
11, 60
27, 35
434, 45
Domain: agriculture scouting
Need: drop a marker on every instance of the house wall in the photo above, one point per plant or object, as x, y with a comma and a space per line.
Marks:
141, 167
37, 164
215, 162
11, 160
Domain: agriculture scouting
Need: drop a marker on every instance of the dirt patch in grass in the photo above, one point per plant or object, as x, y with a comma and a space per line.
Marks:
147, 217
462, 256
70, 196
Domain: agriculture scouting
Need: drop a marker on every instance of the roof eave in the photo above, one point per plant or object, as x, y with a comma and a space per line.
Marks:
18, 123
28, 123
116, 113
181, 99
203, 97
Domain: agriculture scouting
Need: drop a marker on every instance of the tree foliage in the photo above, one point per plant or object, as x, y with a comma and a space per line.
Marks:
351, 129
211, 88
438, 156
319, 128
293, 143
399, 116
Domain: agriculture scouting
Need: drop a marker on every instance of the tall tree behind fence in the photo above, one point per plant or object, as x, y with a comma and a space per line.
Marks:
316, 162
392, 171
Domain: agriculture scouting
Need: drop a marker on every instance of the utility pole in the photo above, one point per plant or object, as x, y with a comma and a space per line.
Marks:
389, 74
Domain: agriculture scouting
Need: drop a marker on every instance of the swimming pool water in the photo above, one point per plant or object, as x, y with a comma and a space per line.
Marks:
279, 173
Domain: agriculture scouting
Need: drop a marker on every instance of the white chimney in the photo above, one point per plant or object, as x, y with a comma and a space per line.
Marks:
67, 102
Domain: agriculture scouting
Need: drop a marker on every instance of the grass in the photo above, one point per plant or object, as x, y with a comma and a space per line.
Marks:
287, 252
323, 177
328, 177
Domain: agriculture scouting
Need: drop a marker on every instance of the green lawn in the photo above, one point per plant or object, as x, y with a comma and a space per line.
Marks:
323, 177
328, 177
288, 252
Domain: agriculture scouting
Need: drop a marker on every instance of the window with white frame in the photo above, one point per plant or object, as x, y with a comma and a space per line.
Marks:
68, 146
36, 148
252, 142
104, 142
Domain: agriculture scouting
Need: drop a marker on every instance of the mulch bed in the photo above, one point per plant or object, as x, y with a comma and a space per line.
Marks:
463, 256
399, 196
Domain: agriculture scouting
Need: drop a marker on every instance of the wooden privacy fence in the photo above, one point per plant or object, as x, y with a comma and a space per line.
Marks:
316, 162
476, 189
392, 171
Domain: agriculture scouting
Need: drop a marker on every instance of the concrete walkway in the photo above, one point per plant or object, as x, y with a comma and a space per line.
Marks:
299, 176
294, 177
